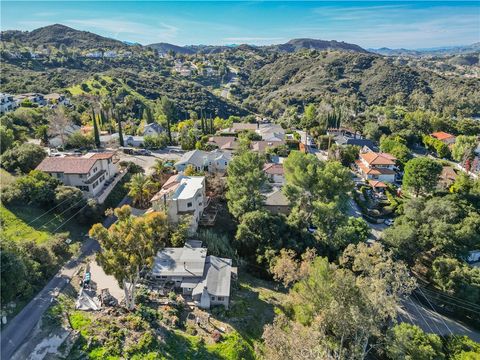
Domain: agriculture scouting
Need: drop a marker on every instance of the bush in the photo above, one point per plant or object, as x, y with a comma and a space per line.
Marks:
23, 158
155, 141
79, 141
191, 330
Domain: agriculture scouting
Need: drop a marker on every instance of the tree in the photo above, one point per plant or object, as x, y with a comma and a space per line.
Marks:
79, 141
59, 122
41, 132
69, 197
24, 157
160, 170
245, 180
129, 247
346, 155
464, 147
6, 138
396, 146
421, 175
120, 132
341, 307
14, 276
96, 133
168, 108
140, 189
409, 342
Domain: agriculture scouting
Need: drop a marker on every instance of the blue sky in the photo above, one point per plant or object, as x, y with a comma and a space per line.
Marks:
369, 24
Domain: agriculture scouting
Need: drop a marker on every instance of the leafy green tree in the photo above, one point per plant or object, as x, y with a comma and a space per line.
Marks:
77, 140
24, 157
438, 226
421, 175
372, 131
464, 147
69, 197
159, 141
456, 278
245, 180
409, 342
396, 146
438, 146
458, 347
6, 138
129, 247
14, 276
346, 155
41, 132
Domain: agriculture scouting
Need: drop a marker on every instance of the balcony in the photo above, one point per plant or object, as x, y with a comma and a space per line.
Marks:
94, 177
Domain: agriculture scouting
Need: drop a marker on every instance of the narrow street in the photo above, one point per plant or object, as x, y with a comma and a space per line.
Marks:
16, 332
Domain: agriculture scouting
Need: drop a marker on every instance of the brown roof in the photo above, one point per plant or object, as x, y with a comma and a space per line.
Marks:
224, 142
102, 156
67, 165
273, 169
373, 158
377, 184
243, 126
261, 146
373, 171
170, 185
441, 135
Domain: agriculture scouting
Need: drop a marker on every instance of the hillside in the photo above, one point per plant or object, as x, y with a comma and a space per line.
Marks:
441, 51
314, 44
57, 35
164, 48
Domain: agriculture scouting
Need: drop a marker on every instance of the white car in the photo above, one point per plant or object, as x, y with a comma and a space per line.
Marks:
389, 222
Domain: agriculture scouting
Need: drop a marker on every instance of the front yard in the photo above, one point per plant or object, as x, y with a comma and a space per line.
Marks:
173, 331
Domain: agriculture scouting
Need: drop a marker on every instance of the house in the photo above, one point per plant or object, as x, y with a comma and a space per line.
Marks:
58, 140
34, 98
224, 142
239, 127
89, 173
261, 146
444, 137
213, 161
182, 195
271, 132
94, 54
275, 173
57, 99
306, 141
152, 129
343, 131
377, 166
110, 54
276, 202
7, 103
365, 144
204, 278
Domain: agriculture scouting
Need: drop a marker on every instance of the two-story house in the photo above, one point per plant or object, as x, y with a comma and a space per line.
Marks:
377, 166
215, 161
34, 98
182, 195
204, 278
89, 172
7, 103
275, 173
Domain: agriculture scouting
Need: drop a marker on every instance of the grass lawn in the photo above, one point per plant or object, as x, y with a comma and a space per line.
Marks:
5, 178
23, 223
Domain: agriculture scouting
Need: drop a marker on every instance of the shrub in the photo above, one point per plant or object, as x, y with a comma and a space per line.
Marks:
24, 158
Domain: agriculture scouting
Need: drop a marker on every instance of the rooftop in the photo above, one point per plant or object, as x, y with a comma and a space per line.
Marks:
72, 164
441, 135
181, 187
373, 158
188, 261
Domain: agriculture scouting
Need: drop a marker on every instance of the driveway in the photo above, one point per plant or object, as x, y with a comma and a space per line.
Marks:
375, 229
146, 162
20, 327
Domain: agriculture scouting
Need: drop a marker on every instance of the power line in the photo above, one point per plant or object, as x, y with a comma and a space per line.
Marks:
70, 218
434, 322
441, 317
46, 212
63, 212
421, 315
454, 298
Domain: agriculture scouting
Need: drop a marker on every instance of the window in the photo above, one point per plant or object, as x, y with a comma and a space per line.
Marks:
213, 298
220, 298
95, 184
81, 176
189, 205
226, 163
83, 188
95, 169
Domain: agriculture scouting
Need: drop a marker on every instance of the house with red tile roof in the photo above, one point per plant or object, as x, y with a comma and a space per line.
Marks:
275, 173
444, 137
90, 173
377, 166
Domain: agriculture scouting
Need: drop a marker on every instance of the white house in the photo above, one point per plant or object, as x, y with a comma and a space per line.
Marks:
90, 173
182, 195
7, 103
213, 161
377, 166
207, 279
57, 99
35, 98
152, 129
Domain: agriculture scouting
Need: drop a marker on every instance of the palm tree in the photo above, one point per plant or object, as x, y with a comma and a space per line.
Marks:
160, 169
140, 188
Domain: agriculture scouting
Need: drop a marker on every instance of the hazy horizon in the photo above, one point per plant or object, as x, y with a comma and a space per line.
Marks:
392, 24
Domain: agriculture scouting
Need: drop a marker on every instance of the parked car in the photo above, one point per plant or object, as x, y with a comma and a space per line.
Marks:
389, 222
144, 152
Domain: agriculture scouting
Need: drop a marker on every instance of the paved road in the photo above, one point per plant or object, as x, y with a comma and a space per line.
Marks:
20, 327
146, 162
413, 312
376, 229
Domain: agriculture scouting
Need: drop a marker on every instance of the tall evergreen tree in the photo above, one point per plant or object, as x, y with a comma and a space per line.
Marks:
96, 133
120, 133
